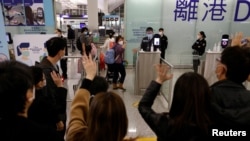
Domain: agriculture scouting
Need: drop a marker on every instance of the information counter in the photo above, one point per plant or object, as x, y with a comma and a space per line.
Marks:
144, 70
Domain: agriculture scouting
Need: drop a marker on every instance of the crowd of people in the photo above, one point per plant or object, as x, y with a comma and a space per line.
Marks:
33, 103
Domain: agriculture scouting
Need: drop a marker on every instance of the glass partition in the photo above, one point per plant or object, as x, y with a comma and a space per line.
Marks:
167, 87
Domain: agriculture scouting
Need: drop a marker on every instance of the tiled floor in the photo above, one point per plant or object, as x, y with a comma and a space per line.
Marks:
137, 126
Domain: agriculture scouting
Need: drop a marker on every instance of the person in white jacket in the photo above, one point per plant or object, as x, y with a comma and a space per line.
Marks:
108, 42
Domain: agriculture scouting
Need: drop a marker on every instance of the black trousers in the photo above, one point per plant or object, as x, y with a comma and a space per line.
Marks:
119, 69
63, 64
163, 53
196, 61
72, 45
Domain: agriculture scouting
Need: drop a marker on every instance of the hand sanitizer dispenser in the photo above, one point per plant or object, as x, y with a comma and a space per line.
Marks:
152, 48
214, 48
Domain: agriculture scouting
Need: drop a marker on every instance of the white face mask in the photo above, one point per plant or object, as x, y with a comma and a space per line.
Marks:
150, 36
120, 42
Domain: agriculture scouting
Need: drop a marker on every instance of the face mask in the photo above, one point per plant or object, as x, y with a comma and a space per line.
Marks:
120, 42
25, 53
161, 33
85, 32
150, 36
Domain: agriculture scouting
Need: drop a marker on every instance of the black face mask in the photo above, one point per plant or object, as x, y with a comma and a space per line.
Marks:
110, 36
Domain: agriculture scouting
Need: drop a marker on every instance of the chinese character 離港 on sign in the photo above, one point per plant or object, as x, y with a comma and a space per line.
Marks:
187, 10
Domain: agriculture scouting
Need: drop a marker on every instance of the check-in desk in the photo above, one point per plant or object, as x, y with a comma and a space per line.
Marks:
210, 66
144, 70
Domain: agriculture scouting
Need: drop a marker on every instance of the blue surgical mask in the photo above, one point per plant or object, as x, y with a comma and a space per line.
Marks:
150, 36
26, 53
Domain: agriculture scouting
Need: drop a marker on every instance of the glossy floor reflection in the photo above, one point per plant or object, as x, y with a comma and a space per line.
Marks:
137, 126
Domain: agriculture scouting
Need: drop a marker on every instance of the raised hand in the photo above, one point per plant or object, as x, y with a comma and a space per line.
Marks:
57, 79
236, 40
59, 126
162, 73
89, 66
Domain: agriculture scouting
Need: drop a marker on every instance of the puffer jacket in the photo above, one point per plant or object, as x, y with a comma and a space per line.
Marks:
230, 104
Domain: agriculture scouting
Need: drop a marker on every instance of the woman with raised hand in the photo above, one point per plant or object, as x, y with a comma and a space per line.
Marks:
104, 119
188, 118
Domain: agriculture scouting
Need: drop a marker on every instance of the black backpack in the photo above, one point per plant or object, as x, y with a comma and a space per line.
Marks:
79, 46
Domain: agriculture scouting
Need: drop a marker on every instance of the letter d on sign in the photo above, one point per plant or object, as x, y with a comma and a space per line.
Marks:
238, 5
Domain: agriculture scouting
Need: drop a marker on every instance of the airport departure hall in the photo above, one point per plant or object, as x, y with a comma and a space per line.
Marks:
124, 70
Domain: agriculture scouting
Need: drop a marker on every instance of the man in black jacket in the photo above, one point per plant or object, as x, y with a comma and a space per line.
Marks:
147, 41
56, 50
163, 42
230, 99
71, 37
63, 61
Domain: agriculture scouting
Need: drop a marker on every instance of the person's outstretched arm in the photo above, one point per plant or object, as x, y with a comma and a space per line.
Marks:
152, 118
80, 105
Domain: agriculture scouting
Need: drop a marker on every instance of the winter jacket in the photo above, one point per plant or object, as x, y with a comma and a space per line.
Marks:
199, 46
52, 91
230, 105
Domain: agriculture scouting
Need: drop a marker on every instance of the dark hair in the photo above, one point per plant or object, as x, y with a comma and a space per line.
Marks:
161, 29
237, 63
29, 15
107, 113
203, 34
40, 8
84, 29
191, 100
247, 51
118, 38
68, 26
149, 29
15, 80
111, 34
54, 45
59, 30
37, 73
22, 45
99, 84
